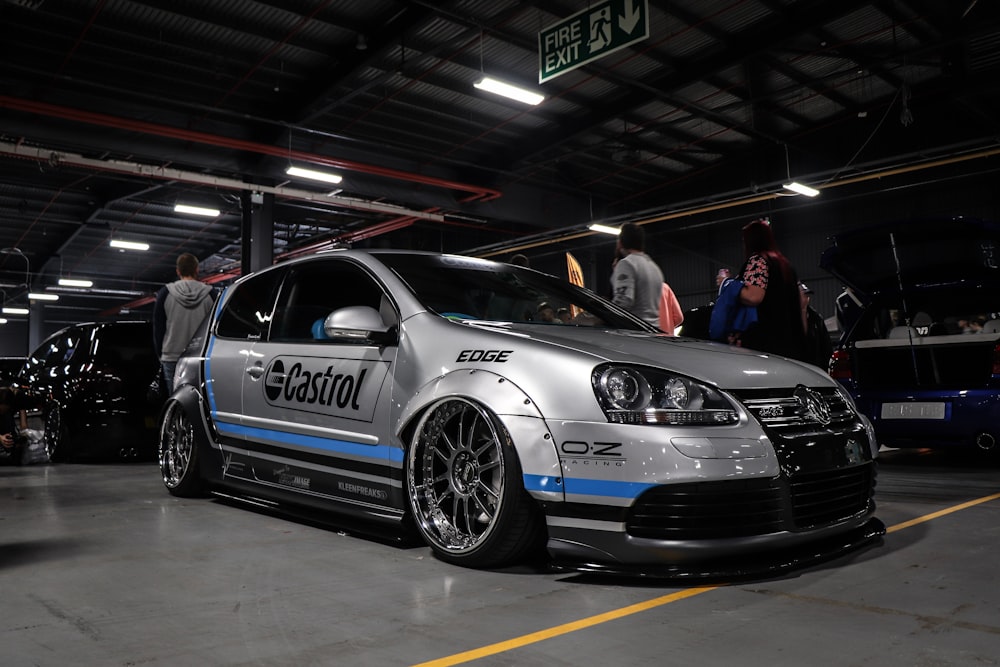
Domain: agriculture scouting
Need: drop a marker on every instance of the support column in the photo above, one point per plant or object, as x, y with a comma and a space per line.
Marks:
257, 251
36, 318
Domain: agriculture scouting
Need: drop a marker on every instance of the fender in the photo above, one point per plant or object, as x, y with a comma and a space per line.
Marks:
530, 434
210, 464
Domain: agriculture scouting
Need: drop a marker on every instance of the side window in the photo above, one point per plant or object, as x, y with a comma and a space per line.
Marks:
313, 290
126, 344
62, 349
248, 312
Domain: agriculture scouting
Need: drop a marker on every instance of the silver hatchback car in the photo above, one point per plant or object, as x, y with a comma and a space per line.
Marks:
428, 392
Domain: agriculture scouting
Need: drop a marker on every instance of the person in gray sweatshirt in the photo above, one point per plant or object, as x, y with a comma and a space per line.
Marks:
636, 280
181, 307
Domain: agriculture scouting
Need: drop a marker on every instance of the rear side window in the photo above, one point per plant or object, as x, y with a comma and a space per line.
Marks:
125, 344
247, 313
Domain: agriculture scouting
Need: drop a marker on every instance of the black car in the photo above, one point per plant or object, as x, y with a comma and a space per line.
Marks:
921, 318
90, 382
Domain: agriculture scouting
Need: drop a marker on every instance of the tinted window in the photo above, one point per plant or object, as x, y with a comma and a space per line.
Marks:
247, 313
61, 349
313, 290
124, 344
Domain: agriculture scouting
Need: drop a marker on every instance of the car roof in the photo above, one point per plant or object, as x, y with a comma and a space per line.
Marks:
915, 254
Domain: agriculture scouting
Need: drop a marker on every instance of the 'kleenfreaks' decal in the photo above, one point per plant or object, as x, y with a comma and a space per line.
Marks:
335, 387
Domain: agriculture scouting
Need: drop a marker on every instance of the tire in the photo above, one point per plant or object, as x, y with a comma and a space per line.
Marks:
465, 488
55, 434
178, 454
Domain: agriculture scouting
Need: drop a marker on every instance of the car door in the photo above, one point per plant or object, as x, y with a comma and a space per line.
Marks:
315, 410
243, 321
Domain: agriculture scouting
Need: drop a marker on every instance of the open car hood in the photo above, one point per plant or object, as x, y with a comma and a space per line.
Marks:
915, 254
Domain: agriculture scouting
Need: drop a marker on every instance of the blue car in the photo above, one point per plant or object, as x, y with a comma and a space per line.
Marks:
920, 352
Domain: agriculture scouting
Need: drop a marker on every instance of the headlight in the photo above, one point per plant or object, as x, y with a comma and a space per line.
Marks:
625, 389
636, 395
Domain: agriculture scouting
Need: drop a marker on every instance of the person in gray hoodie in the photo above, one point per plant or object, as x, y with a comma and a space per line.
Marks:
181, 307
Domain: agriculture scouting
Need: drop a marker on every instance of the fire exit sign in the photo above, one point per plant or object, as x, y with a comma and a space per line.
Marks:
591, 34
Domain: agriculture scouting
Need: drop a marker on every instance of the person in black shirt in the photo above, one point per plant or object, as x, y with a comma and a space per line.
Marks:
771, 284
818, 346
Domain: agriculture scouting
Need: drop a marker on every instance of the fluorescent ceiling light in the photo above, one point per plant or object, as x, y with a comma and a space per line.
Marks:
795, 186
604, 229
129, 245
10, 310
314, 175
507, 90
3, 320
196, 210
75, 282
42, 296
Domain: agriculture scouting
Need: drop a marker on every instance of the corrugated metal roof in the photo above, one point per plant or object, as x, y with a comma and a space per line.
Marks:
228, 93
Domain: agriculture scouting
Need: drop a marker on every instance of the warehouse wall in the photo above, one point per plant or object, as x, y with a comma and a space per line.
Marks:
690, 251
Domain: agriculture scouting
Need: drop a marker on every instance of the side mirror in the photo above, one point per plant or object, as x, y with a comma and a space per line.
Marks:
356, 324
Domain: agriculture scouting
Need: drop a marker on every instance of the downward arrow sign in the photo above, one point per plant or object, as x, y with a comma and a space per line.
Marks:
630, 19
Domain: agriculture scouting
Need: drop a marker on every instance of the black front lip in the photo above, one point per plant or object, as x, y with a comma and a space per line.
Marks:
742, 566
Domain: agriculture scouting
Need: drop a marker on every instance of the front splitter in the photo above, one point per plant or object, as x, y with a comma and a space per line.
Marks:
742, 566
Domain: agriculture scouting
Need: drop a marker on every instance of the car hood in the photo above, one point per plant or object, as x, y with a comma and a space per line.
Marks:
722, 365
918, 253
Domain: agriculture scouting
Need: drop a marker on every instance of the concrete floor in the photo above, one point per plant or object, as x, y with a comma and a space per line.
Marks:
100, 566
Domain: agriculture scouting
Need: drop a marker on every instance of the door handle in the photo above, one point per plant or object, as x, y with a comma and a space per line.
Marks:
256, 372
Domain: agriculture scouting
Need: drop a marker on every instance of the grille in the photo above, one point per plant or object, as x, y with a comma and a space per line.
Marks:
743, 508
826, 477
783, 412
822, 498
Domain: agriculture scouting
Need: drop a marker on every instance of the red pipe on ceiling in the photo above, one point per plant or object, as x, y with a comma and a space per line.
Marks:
93, 118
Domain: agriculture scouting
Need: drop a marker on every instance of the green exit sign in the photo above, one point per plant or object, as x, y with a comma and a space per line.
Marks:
591, 34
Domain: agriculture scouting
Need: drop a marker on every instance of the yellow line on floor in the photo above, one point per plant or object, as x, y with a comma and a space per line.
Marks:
947, 510
563, 629
566, 628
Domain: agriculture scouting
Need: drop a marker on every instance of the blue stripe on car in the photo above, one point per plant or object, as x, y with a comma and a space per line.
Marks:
596, 487
542, 483
312, 442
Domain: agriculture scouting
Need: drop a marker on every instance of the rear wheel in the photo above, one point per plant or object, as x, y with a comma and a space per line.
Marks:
178, 453
465, 488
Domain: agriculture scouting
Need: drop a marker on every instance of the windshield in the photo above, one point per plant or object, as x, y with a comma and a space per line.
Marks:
463, 288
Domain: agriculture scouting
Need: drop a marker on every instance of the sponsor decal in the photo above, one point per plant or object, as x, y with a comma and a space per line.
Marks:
340, 387
361, 490
989, 254
592, 454
283, 477
772, 412
853, 451
297, 481
231, 467
497, 356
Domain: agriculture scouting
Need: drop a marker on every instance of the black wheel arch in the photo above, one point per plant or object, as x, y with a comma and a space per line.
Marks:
210, 458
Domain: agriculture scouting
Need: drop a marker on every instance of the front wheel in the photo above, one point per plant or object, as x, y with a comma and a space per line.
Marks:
465, 488
55, 434
178, 454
